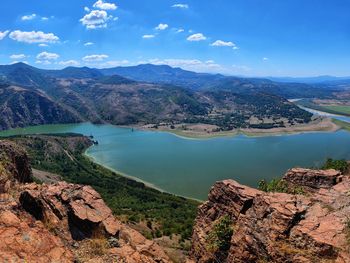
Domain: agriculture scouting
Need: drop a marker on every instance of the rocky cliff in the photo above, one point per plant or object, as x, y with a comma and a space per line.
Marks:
242, 224
61, 222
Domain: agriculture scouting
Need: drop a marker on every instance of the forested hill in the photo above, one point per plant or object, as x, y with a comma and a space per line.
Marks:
147, 94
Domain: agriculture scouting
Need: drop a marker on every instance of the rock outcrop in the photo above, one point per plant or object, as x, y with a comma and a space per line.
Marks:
61, 222
14, 166
276, 227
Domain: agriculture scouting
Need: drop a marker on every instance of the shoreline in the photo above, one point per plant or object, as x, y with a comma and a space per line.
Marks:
325, 125
147, 184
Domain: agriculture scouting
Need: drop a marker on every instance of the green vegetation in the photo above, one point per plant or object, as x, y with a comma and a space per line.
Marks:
344, 110
168, 214
347, 230
340, 165
219, 239
344, 125
279, 186
275, 185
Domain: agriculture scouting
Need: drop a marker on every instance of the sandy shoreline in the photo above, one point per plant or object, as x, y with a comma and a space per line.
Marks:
323, 125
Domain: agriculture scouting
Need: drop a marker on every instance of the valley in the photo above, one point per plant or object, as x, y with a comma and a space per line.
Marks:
86, 94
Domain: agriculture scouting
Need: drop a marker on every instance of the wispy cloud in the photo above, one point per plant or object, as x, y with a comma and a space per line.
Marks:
148, 36
88, 44
33, 37
197, 37
162, 26
3, 34
28, 17
18, 56
93, 58
265, 59
47, 56
182, 6
220, 43
67, 63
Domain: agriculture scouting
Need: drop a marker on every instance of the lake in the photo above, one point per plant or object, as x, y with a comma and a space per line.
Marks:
189, 167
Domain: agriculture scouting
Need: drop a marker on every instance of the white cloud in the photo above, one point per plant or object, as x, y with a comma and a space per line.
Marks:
44, 18
220, 43
67, 63
113, 63
88, 44
33, 37
197, 65
197, 37
265, 59
189, 64
105, 6
18, 56
95, 19
182, 6
47, 56
148, 36
28, 17
43, 62
86, 9
162, 26
3, 34
180, 30
93, 58
43, 45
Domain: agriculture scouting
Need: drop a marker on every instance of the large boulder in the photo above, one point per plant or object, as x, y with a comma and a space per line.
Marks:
275, 227
69, 206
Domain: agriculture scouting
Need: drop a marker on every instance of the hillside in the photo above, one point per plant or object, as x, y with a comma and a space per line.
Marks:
20, 107
83, 94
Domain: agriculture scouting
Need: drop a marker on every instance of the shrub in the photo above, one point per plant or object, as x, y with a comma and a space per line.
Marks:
275, 185
340, 165
219, 239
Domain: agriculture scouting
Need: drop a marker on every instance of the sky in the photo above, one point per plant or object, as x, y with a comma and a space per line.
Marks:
296, 38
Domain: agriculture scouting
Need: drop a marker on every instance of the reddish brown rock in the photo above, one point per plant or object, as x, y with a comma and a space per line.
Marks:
14, 166
277, 227
69, 206
315, 179
24, 240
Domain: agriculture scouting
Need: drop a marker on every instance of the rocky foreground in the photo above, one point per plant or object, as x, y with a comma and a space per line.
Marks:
61, 222
242, 224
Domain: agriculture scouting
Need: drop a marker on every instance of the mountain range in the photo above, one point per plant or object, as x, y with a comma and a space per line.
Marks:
148, 94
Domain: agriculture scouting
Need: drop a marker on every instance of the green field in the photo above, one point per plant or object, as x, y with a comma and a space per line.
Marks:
343, 124
344, 110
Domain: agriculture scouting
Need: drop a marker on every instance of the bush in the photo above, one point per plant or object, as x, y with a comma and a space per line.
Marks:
275, 185
219, 239
340, 165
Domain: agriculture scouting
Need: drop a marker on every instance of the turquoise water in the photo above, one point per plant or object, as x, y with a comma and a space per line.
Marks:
190, 167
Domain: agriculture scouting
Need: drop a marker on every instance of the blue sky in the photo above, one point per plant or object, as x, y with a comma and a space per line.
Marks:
239, 37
